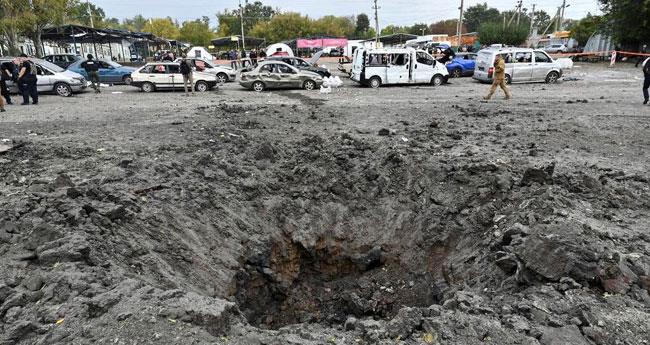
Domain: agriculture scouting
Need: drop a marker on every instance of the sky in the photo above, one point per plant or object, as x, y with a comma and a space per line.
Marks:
390, 12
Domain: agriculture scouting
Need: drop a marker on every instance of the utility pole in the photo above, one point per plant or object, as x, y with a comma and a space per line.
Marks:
515, 14
376, 8
241, 20
532, 20
90, 14
519, 11
459, 29
564, 5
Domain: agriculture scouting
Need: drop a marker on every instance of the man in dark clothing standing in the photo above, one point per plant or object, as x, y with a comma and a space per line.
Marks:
7, 72
646, 80
253, 56
92, 69
447, 55
27, 80
644, 50
188, 79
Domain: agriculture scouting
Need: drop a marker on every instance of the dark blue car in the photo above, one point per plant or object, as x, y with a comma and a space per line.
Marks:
109, 72
462, 65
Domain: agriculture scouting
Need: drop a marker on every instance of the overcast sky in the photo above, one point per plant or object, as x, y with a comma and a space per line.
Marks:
391, 12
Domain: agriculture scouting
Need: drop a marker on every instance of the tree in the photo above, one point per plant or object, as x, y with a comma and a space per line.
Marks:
333, 26
230, 22
12, 22
495, 33
283, 26
79, 14
393, 29
478, 14
196, 32
627, 20
136, 23
419, 29
162, 27
448, 27
585, 27
362, 25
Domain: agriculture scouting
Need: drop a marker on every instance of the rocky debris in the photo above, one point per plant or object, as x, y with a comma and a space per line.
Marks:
541, 175
567, 335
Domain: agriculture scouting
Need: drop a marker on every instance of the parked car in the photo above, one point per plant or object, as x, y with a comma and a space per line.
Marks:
52, 78
279, 75
556, 48
109, 72
167, 75
392, 66
62, 60
222, 74
302, 64
523, 65
462, 65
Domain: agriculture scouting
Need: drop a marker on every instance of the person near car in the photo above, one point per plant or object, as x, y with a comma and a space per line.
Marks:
640, 58
447, 55
7, 72
646, 80
253, 56
92, 69
188, 78
27, 79
499, 78
233, 59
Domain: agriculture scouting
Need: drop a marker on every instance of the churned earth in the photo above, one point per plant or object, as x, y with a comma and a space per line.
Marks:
403, 215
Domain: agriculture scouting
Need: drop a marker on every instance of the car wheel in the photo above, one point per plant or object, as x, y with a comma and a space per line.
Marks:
508, 79
457, 73
258, 86
148, 87
222, 78
375, 82
309, 85
127, 80
201, 86
437, 80
552, 77
63, 89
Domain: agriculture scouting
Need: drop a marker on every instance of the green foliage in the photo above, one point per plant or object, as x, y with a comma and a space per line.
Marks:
479, 14
333, 26
135, 24
448, 27
283, 26
196, 32
495, 33
362, 25
628, 20
582, 30
254, 13
162, 27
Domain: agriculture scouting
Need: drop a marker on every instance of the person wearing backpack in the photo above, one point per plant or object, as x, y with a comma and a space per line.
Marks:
7, 72
646, 80
186, 71
27, 80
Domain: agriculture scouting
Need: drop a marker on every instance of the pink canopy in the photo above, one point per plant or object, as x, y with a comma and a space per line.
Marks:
319, 43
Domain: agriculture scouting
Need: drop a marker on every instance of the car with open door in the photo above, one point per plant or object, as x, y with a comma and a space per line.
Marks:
304, 65
167, 76
52, 79
271, 74
223, 74
109, 72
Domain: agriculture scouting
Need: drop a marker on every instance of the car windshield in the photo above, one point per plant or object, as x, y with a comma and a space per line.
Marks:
52, 67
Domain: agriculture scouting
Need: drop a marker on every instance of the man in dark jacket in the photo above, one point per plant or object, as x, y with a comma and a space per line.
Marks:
640, 58
7, 72
92, 69
27, 80
646, 80
188, 78
447, 55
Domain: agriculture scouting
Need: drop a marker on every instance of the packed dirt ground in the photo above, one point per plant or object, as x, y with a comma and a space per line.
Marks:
402, 215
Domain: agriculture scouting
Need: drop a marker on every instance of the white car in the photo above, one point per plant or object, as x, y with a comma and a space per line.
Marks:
52, 78
223, 74
393, 66
167, 75
556, 48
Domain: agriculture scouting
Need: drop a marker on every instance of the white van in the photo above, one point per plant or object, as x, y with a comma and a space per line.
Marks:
377, 67
523, 65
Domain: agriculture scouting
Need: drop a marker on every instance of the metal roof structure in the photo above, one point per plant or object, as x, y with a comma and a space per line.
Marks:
84, 34
228, 41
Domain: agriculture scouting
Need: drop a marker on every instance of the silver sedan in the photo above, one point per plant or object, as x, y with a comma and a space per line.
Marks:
279, 75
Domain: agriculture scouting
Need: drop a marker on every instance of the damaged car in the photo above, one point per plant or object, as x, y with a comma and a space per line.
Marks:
272, 74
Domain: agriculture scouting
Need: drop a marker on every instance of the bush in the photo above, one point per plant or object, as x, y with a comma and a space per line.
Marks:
493, 33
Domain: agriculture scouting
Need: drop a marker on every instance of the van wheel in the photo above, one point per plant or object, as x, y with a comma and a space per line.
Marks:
309, 85
63, 89
201, 86
148, 87
508, 79
258, 86
222, 78
457, 73
552, 77
437, 80
375, 82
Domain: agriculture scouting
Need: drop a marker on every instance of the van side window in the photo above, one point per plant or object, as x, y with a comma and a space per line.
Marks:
424, 58
398, 59
377, 60
507, 58
541, 57
522, 57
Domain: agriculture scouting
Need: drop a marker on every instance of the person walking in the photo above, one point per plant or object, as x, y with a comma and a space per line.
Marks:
646, 80
499, 78
27, 79
188, 78
92, 69
644, 50
7, 72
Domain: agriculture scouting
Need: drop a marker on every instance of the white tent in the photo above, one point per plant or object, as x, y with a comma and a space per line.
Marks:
200, 52
279, 48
